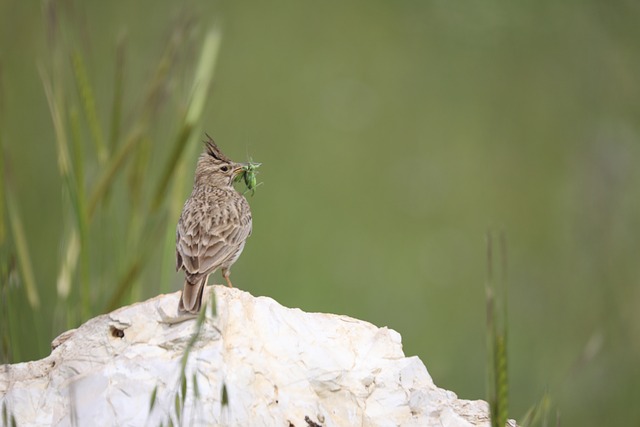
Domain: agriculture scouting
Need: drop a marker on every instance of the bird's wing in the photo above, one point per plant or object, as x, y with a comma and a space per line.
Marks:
228, 239
203, 246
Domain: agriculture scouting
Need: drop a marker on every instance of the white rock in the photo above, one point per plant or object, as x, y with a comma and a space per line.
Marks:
279, 367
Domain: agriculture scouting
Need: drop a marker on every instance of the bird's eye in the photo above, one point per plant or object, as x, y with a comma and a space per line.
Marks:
224, 168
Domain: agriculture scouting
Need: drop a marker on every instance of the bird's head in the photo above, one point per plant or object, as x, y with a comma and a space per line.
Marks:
214, 168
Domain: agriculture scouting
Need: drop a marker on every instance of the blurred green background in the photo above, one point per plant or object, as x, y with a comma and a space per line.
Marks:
393, 135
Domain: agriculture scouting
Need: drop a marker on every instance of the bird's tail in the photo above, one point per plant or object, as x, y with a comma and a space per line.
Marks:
191, 299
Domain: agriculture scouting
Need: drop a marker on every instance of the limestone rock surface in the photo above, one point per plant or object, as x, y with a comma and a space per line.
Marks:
248, 362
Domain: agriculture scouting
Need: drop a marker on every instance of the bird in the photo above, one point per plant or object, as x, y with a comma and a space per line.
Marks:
213, 227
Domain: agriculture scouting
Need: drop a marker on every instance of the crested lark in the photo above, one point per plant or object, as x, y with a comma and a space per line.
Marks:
213, 227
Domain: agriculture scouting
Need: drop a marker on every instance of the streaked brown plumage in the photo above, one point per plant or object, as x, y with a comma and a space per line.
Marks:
213, 227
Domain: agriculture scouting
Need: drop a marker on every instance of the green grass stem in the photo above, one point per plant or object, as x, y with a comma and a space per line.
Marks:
2, 218
150, 235
203, 76
88, 102
172, 162
62, 145
139, 166
118, 90
497, 373
81, 210
199, 93
22, 249
538, 414
112, 168
68, 265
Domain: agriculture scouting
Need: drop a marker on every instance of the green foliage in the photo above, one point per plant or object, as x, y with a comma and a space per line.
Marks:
110, 192
22, 252
538, 414
88, 103
224, 395
497, 303
198, 94
154, 395
8, 419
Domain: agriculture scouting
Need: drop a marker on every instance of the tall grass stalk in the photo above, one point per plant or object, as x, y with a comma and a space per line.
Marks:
118, 90
81, 211
152, 232
6, 257
199, 92
2, 178
22, 250
538, 414
62, 145
71, 173
88, 102
111, 170
496, 288
8, 419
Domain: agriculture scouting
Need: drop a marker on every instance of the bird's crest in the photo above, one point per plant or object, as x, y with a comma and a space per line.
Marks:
214, 151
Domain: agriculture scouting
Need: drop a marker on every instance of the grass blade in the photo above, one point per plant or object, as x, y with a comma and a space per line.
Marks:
196, 389
224, 395
496, 294
154, 396
72, 174
199, 93
538, 413
136, 136
137, 264
109, 174
69, 262
2, 219
24, 260
64, 162
88, 102
118, 89
137, 174
204, 76
80, 206
183, 389
174, 158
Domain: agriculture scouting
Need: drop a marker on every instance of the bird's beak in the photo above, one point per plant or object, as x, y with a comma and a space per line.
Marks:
238, 168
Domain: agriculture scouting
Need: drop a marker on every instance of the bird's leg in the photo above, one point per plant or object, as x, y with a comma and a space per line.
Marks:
226, 273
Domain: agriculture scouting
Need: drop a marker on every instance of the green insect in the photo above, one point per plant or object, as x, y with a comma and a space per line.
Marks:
249, 176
